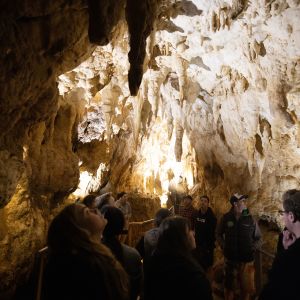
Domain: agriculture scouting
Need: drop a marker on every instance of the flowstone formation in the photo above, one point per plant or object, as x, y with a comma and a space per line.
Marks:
209, 104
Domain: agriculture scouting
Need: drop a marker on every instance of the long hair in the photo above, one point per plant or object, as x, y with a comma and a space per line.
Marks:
67, 235
173, 237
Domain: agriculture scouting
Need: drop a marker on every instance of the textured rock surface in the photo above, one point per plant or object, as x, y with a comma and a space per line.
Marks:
217, 109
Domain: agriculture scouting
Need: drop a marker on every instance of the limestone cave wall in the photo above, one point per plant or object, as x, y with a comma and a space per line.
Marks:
203, 92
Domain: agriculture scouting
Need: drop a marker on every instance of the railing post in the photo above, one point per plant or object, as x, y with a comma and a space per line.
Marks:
258, 271
41, 260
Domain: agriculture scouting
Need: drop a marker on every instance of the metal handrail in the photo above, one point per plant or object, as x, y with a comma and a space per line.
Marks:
258, 267
41, 256
271, 255
142, 223
139, 224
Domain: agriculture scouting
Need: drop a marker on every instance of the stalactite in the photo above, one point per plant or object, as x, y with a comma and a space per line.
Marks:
180, 66
178, 143
140, 16
170, 127
137, 107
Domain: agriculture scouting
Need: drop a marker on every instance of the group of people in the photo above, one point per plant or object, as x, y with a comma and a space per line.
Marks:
87, 259
238, 235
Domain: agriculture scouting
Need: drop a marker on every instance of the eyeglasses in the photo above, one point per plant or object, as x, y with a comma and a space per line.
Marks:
281, 212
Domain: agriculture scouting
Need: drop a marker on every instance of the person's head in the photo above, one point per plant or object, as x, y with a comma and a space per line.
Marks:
291, 206
73, 231
204, 202
105, 199
115, 220
115, 227
90, 201
75, 225
122, 196
160, 215
238, 202
187, 200
175, 236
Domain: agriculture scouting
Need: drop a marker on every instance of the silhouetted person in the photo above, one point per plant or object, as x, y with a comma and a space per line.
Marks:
105, 199
127, 256
148, 242
204, 223
90, 201
186, 209
172, 273
239, 236
283, 280
79, 266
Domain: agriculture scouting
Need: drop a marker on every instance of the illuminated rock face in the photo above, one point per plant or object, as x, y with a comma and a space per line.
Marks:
218, 105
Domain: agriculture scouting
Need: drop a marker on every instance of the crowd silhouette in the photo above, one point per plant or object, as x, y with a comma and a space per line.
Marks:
87, 258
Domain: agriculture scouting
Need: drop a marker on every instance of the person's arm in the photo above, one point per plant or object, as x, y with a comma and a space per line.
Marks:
213, 227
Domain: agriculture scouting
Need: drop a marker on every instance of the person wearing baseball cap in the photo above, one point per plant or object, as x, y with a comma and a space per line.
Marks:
239, 236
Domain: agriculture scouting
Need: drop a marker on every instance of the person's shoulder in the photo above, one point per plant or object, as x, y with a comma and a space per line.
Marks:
151, 231
228, 214
210, 212
132, 260
130, 251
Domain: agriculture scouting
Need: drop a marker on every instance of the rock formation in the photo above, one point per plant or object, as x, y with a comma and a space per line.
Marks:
206, 90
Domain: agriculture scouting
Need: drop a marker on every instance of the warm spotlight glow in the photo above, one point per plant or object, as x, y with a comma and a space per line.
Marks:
85, 178
163, 200
158, 166
25, 152
89, 182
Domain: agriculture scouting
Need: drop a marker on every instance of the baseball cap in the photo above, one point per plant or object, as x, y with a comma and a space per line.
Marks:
237, 197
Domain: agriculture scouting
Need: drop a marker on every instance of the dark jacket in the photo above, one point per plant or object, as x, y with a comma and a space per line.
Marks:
133, 266
283, 280
73, 277
175, 277
205, 227
239, 238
